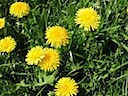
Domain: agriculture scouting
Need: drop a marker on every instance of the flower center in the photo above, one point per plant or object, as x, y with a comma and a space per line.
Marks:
6, 45
66, 88
36, 55
47, 57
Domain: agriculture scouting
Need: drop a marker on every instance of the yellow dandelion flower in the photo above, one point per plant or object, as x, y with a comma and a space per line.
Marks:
7, 44
34, 55
66, 87
19, 9
2, 23
87, 18
57, 36
50, 61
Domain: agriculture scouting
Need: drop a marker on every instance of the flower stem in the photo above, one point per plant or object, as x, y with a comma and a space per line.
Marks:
6, 11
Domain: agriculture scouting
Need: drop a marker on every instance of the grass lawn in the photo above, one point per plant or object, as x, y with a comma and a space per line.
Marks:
97, 60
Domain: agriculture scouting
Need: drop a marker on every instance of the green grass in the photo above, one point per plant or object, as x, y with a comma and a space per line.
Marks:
97, 60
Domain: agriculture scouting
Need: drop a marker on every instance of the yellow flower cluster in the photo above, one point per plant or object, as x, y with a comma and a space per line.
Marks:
18, 9
48, 59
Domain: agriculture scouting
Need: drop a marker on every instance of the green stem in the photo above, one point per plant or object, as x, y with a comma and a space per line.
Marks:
6, 11
18, 25
40, 91
126, 87
6, 59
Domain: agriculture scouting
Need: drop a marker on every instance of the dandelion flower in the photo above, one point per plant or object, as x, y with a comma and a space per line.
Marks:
34, 55
19, 9
66, 87
7, 44
2, 23
57, 36
87, 18
50, 61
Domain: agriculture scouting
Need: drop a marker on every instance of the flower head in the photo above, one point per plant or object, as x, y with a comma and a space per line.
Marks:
2, 22
35, 55
50, 61
87, 18
19, 9
57, 36
66, 87
7, 44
